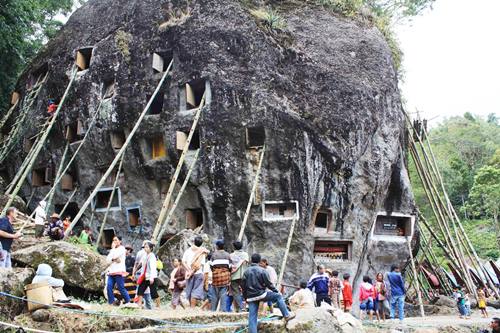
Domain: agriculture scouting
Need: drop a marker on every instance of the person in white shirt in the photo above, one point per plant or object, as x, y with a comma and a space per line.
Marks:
137, 271
149, 274
302, 298
40, 217
116, 271
194, 260
273, 277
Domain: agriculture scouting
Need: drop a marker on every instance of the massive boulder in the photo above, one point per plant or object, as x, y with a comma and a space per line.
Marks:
321, 93
76, 265
12, 281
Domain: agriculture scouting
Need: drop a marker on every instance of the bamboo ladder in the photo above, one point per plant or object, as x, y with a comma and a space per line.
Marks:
287, 251
166, 203
40, 143
118, 156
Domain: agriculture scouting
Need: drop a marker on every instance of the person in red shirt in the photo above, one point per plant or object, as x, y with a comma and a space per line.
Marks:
347, 293
52, 107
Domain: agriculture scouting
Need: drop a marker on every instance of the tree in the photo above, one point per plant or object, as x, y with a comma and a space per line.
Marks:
24, 26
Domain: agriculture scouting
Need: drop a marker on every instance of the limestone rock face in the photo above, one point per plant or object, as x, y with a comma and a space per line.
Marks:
12, 281
324, 320
77, 266
321, 94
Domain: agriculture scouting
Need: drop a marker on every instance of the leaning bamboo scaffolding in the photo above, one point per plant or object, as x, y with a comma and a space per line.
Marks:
115, 184
415, 274
166, 203
120, 152
40, 144
252, 195
287, 251
58, 173
61, 213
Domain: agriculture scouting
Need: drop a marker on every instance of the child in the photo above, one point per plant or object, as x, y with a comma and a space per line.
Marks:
334, 288
177, 283
467, 306
347, 293
458, 295
481, 304
367, 295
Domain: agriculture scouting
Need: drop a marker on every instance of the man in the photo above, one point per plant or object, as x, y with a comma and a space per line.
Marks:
397, 292
319, 284
221, 276
302, 298
7, 236
254, 283
137, 271
56, 228
495, 325
116, 271
129, 259
40, 217
194, 260
239, 262
334, 289
273, 277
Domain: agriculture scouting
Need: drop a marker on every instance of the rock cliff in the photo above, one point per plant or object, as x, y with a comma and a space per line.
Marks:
321, 93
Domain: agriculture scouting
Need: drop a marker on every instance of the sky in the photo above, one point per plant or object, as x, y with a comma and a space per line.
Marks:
452, 59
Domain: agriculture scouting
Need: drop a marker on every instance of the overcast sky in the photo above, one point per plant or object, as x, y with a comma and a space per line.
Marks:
452, 59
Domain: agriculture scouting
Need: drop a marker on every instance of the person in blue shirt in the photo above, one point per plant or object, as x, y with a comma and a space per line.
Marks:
319, 284
397, 292
7, 236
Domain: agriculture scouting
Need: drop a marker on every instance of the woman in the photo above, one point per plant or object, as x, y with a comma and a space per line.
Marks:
381, 290
367, 295
177, 283
116, 271
148, 275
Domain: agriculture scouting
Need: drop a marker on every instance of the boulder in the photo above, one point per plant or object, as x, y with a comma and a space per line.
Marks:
12, 281
323, 320
77, 266
41, 315
445, 301
18, 202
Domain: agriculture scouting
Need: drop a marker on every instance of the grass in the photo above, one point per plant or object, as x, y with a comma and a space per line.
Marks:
175, 17
269, 18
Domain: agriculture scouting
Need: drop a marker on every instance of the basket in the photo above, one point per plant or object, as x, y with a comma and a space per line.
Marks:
40, 293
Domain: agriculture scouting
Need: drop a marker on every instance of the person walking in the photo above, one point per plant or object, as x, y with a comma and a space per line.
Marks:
177, 283
319, 284
381, 289
221, 276
239, 263
116, 271
347, 292
194, 260
397, 292
149, 274
367, 295
137, 271
254, 283
7, 236
40, 217
334, 289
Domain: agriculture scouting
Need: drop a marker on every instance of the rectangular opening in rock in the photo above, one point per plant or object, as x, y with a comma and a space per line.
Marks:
15, 97
134, 218
102, 197
71, 210
323, 221
165, 238
157, 148
107, 237
41, 177
194, 218
280, 210
75, 131
393, 225
67, 182
330, 251
194, 93
161, 60
28, 143
110, 180
256, 136
108, 89
117, 139
37, 76
156, 106
83, 57
181, 139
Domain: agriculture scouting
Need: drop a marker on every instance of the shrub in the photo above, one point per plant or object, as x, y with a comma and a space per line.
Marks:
269, 18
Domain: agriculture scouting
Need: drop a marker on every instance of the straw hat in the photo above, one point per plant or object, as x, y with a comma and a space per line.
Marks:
54, 216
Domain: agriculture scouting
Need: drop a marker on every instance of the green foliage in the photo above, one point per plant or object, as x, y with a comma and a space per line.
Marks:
76, 241
269, 18
484, 197
347, 8
24, 26
482, 235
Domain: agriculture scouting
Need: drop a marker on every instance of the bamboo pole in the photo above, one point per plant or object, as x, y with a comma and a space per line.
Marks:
40, 144
117, 177
120, 152
177, 199
417, 285
59, 170
165, 207
8, 114
61, 213
287, 251
252, 195
75, 153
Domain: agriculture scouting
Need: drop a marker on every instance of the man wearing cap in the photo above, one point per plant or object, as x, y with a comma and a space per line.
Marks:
56, 228
7, 235
221, 275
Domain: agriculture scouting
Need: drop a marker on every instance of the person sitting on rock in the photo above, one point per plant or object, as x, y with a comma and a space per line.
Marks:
44, 274
302, 298
56, 228
86, 236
